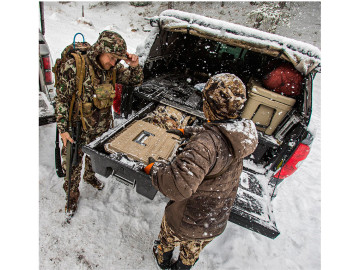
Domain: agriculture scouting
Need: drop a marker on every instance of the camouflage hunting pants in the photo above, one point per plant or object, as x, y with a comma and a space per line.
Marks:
89, 174
189, 249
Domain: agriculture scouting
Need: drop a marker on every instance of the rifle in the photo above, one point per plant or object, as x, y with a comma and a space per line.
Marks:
69, 149
75, 160
72, 156
59, 171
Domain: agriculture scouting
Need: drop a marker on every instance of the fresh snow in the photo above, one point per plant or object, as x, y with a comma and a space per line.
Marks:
115, 228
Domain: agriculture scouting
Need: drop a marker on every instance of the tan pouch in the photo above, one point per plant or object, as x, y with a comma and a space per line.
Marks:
104, 95
87, 108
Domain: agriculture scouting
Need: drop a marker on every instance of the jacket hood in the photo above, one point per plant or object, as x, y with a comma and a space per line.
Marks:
241, 135
108, 42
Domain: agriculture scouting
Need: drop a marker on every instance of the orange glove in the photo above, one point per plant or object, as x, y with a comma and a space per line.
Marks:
148, 168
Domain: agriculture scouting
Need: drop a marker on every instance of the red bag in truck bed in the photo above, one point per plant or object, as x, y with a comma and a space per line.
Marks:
284, 79
117, 99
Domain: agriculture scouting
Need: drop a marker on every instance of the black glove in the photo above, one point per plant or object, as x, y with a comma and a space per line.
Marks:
151, 160
148, 168
179, 132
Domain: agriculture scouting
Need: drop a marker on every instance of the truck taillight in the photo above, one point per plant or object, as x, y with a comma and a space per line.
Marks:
48, 77
290, 166
46, 62
47, 69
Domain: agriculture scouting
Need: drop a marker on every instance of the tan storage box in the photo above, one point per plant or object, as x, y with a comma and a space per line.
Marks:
266, 108
142, 140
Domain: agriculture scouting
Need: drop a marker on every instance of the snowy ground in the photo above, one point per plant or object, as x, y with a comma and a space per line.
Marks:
114, 228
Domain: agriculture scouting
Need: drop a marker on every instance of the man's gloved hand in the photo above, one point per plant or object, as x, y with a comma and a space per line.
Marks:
180, 132
148, 168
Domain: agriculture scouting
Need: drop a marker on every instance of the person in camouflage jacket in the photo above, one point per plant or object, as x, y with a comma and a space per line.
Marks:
102, 63
202, 180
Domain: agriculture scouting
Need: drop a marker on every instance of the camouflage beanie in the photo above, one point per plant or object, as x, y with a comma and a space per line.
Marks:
111, 42
224, 96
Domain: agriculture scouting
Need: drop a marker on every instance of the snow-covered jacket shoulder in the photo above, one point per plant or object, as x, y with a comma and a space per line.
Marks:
242, 136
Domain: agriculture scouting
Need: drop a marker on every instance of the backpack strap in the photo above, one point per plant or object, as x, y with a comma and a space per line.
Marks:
80, 75
114, 77
71, 106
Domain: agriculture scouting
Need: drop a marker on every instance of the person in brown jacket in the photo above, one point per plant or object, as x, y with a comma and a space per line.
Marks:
202, 180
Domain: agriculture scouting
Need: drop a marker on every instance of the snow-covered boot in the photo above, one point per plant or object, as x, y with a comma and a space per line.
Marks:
180, 266
70, 208
96, 183
165, 257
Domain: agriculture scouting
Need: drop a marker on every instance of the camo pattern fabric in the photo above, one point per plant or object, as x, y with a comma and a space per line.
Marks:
168, 118
189, 249
88, 177
224, 96
97, 121
110, 42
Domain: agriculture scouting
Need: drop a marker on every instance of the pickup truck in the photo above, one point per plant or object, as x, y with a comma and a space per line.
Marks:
181, 53
46, 78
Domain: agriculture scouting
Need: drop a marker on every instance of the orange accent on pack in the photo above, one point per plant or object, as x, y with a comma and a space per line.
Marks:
182, 130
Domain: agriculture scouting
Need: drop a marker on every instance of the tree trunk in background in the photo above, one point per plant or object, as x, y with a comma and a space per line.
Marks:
42, 21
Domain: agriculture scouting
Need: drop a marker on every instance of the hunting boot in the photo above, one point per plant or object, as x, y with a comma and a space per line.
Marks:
180, 266
70, 208
162, 259
96, 183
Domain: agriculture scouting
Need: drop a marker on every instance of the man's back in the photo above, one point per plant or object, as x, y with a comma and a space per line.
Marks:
203, 179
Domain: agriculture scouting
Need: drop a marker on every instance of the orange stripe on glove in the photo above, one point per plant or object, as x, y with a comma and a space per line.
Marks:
147, 169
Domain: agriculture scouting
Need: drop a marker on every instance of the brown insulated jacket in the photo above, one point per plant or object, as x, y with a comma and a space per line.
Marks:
200, 205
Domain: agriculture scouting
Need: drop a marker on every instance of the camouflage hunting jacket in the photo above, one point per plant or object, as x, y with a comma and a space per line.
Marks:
100, 119
203, 179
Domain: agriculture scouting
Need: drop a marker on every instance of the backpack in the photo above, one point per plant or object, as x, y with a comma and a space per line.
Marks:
75, 50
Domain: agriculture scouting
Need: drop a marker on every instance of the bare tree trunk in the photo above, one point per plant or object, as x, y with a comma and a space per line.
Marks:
170, 5
42, 20
282, 4
83, 11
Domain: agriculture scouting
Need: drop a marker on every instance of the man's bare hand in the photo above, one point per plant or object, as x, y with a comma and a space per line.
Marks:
132, 59
66, 137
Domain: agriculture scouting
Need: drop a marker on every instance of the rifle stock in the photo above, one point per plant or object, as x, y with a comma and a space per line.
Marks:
72, 156
59, 170
75, 159
69, 149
